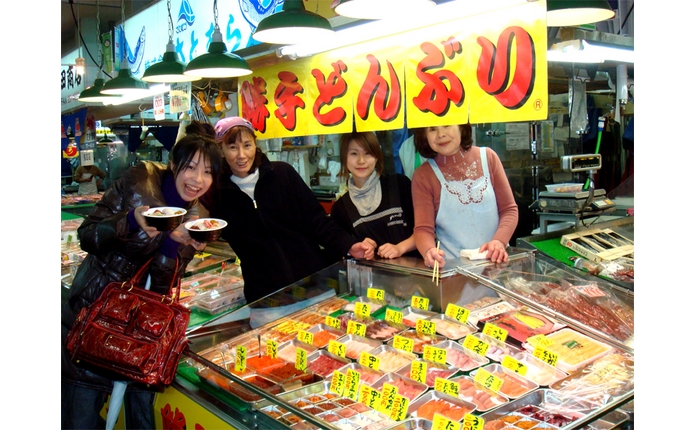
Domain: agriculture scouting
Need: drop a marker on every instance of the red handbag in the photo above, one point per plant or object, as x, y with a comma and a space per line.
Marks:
131, 331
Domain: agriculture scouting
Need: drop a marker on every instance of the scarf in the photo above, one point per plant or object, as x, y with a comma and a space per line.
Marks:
247, 184
367, 198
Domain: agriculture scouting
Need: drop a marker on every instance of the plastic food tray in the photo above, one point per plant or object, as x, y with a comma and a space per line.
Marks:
574, 350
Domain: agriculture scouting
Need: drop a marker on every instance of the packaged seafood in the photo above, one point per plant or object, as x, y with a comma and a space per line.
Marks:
488, 311
435, 402
383, 330
574, 350
537, 408
391, 359
483, 398
374, 305
522, 323
406, 386
434, 371
481, 303
331, 305
367, 376
513, 385
260, 362
288, 350
460, 357
538, 370
411, 315
355, 345
497, 349
419, 339
452, 329
413, 424
324, 333
324, 363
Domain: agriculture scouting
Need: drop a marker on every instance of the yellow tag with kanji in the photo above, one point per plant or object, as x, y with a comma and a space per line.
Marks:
545, 355
394, 316
420, 303
400, 408
447, 387
514, 365
351, 385
434, 354
487, 379
418, 371
370, 397
271, 348
300, 362
240, 361
305, 336
338, 383
539, 340
403, 343
332, 283
388, 393
476, 345
362, 309
333, 322
299, 292
440, 422
374, 293
425, 327
458, 313
354, 327
337, 348
472, 422
495, 332
272, 303
368, 360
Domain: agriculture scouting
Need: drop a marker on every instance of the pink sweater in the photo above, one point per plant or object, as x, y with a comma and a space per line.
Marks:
426, 192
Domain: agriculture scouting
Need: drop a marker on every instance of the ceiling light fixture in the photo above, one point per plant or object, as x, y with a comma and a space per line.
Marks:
170, 69
567, 13
293, 24
589, 51
217, 62
380, 9
124, 83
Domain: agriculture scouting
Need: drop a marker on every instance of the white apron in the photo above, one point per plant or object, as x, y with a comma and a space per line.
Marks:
467, 216
90, 187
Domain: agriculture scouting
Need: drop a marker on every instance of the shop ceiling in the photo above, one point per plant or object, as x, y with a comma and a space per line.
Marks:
599, 77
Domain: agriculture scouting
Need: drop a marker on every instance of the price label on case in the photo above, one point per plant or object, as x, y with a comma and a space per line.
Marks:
305, 336
394, 316
495, 332
539, 341
403, 343
545, 355
514, 365
418, 371
337, 348
240, 361
368, 360
400, 408
458, 313
388, 394
352, 382
420, 303
487, 379
425, 327
271, 348
374, 293
354, 327
362, 309
440, 422
472, 422
301, 361
476, 345
333, 322
447, 387
434, 354
370, 397
338, 381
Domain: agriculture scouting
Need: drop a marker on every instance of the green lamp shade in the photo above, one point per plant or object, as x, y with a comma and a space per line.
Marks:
217, 63
168, 70
93, 94
567, 13
292, 25
124, 84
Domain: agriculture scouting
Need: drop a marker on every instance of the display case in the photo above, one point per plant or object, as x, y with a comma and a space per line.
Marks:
259, 366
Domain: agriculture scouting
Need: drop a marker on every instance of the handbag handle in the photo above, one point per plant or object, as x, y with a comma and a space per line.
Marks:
176, 279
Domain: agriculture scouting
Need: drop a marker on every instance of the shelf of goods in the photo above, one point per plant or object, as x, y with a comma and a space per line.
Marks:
560, 345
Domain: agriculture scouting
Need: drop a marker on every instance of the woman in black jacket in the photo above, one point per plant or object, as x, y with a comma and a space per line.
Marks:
119, 241
276, 225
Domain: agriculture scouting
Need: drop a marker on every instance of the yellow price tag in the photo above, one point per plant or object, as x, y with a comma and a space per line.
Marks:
368, 360
272, 303
333, 322
447, 387
471, 422
440, 422
300, 362
418, 371
476, 345
354, 327
495, 332
487, 379
425, 327
400, 408
362, 309
458, 313
434, 354
370, 397
299, 292
338, 383
394, 316
351, 385
374, 293
539, 340
271, 348
240, 362
305, 336
514, 365
388, 393
332, 283
420, 303
337, 348
403, 343
545, 355
203, 255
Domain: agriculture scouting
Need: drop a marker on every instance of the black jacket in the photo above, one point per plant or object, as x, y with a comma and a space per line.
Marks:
277, 235
116, 252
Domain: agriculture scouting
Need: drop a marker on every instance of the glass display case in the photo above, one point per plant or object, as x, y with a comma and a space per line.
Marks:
292, 359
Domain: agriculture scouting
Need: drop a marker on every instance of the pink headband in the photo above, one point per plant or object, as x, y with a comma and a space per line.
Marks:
225, 124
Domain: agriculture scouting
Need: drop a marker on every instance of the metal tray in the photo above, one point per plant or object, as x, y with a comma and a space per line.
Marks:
481, 393
414, 407
528, 385
497, 349
321, 327
418, 348
409, 357
360, 368
412, 424
316, 354
465, 329
294, 343
477, 360
409, 311
373, 343
448, 369
389, 378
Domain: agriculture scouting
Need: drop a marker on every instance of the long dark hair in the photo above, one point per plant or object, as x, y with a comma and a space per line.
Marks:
185, 149
423, 147
230, 137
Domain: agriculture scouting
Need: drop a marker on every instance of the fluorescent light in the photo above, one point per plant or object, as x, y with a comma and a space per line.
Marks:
585, 51
154, 90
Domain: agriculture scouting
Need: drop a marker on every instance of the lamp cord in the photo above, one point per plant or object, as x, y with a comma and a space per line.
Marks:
217, 27
171, 23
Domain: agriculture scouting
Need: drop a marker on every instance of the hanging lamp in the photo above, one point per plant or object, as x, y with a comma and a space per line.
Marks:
93, 94
380, 9
567, 13
170, 69
124, 83
217, 62
292, 25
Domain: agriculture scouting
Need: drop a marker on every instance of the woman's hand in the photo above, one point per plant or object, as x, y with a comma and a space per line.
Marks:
389, 250
496, 251
364, 249
180, 235
142, 222
432, 255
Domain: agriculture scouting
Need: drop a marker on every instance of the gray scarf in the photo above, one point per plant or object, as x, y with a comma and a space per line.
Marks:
247, 184
367, 198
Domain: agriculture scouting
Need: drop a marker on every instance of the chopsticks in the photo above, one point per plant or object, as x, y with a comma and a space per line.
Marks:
435, 268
